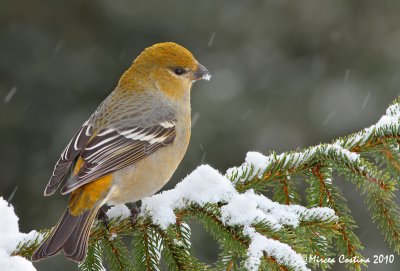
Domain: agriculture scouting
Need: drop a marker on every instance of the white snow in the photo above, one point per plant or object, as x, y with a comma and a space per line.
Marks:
386, 121
390, 119
10, 237
113, 236
237, 171
393, 110
352, 156
242, 210
258, 160
14, 263
365, 101
281, 252
207, 185
211, 41
249, 208
119, 210
10, 95
203, 185
207, 77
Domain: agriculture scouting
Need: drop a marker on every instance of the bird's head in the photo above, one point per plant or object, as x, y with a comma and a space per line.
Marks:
167, 66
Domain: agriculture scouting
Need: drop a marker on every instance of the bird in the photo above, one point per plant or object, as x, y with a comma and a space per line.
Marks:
129, 147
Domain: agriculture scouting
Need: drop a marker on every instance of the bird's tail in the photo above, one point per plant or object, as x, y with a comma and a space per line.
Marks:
71, 234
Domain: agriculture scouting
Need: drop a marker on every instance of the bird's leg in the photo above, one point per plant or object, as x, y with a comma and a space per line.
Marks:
102, 215
135, 211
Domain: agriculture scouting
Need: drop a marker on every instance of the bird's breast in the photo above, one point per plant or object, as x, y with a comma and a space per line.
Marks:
150, 174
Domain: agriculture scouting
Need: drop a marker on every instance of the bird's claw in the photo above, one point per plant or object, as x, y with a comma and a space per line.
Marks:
135, 211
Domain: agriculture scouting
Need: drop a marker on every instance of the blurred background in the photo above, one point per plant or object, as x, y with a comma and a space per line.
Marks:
286, 75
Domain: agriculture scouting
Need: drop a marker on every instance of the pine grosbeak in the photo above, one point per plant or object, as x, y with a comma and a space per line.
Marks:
129, 147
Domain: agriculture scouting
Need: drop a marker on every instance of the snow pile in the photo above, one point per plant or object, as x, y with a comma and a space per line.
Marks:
391, 118
203, 185
258, 160
207, 185
250, 208
119, 210
281, 252
9, 239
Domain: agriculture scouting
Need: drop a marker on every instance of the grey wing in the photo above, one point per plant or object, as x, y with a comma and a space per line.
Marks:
68, 158
113, 149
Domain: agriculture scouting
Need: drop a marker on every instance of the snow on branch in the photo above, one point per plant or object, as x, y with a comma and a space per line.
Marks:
10, 237
252, 230
206, 185
283, 253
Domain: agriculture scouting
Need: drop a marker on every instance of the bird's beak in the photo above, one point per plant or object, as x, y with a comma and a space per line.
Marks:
201, 73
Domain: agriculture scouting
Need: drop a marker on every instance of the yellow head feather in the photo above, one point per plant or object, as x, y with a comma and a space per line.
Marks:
154, 68
166, 54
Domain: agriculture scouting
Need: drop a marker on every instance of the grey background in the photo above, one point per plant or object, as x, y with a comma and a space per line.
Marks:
286, 75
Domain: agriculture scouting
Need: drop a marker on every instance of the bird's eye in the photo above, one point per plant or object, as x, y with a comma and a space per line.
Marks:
179, 71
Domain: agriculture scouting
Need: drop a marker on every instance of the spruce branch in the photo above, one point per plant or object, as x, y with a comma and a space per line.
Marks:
147, 248
330, 196
252, 231
116, 253
94, 259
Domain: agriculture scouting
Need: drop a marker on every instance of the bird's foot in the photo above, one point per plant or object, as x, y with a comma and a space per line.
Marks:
102, 215
135, 211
